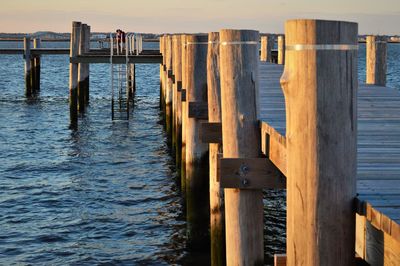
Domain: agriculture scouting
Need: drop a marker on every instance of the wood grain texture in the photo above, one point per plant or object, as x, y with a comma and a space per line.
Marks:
281, 49
320, 90
267, 44
197, 161
184, 113
376, 60
250, 173
241, 139
28, 66
36, 65
73, 74
177, 98
214, 137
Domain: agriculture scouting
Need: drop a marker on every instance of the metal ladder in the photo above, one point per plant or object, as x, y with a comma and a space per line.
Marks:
120, 98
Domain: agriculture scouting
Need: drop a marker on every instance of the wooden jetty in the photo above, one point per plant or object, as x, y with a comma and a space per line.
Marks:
240, 121
303, 124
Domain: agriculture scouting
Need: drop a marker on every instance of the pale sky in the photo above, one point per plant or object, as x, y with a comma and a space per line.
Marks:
157, 16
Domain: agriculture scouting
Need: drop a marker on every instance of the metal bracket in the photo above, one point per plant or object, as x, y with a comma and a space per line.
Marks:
211, 132
198, 110
250, 173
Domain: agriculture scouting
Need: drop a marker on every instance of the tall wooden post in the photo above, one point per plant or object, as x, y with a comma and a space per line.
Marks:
177, 66
36, 66
267, 43
184, 114
161, 48
197, 184
281, 49
28, 66
376, 60
320, 87
87, 66
217, 215
239, 59
73, 75
173, 95
169, 85
82, 69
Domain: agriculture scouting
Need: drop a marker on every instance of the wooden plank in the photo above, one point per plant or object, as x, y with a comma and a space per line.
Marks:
250, 173
198, 110
279, 259
273, 145
381, 248
211, 132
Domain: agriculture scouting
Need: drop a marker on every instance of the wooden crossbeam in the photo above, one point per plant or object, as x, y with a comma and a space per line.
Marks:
211, 132
198, 110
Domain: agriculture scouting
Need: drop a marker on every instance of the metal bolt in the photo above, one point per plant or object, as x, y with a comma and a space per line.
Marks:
245, 182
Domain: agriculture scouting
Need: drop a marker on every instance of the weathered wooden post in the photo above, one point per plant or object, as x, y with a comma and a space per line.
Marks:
28, 66
87, 66
169, 87
73, 75
320, 87
36, 66
267, 43
376, 60
197, 184
281, 49
161, 48
173, 96
239, 63
217, 215
82, 70
184, 113
177, 66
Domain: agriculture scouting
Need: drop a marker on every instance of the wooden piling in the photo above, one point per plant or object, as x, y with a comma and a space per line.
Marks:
239, 58
87, 66
177, 66
82, 69
184, 114
73, 75
376, 60
267, 43
28, 66
161, 48
169, 86
320, 87
217, 214
281, 49
197, 180
36, 66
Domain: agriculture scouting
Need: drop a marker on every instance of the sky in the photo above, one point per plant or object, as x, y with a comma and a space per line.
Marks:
170, 16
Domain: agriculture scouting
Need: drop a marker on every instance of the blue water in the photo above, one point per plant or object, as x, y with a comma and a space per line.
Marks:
108, 192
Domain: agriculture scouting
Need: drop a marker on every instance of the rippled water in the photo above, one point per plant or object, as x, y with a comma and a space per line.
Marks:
106, 193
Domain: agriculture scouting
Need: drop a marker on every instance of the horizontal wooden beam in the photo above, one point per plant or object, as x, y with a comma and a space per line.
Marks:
211, 132
198, 110
118, 59
179, 85
183, 95
273, 145
250, 173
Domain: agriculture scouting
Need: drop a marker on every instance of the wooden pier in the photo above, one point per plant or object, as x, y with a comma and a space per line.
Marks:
333, 144
240, 121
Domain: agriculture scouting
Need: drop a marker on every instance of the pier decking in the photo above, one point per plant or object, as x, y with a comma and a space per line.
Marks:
378, 150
